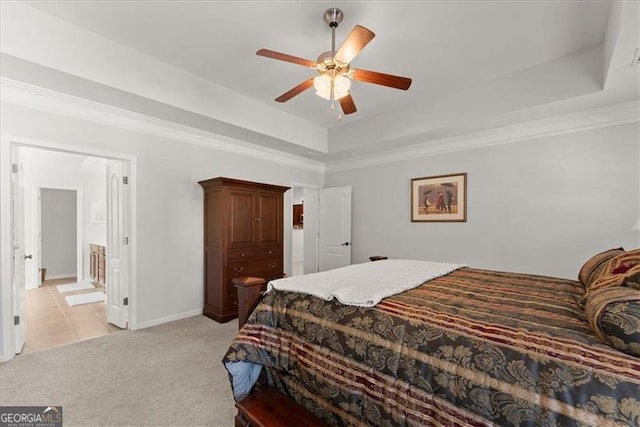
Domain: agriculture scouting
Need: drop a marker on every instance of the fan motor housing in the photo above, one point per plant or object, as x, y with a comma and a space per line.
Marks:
326, 61
333, 16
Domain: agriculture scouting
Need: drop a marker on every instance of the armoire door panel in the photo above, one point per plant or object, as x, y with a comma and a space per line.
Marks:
270, 223
242, 219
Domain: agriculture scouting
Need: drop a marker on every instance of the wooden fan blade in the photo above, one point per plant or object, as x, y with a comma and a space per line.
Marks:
357, 39
284, 57
383, 79
296, 90
347, 104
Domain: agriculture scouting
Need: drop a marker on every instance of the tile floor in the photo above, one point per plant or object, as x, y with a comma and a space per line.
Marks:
51, 322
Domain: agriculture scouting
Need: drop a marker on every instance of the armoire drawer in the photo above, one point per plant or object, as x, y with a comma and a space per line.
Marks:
238, 269
241, 254
250, 267
269, 251
269, 265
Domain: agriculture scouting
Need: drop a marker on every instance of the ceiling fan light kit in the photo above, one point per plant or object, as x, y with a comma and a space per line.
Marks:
335, 75
323, 83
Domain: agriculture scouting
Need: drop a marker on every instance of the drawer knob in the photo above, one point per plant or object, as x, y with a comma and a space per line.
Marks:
272, 265
238, 269
270, 252
242, 254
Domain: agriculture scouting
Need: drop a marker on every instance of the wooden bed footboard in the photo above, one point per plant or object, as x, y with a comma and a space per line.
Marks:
265, 408
269, 408
250, 290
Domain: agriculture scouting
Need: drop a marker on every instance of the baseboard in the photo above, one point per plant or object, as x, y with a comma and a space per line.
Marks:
167, 319
60, 276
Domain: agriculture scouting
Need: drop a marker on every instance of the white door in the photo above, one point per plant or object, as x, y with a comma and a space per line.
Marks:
117, 241
334, 227
17, 231
37, 273
310, 230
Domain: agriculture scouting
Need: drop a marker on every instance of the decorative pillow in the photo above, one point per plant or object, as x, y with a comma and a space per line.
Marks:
621, 269
629, 278
614, 314
628, 258
595, 266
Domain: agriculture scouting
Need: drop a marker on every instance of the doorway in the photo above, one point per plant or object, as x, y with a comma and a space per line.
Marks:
297, 234
304, 233
103, 176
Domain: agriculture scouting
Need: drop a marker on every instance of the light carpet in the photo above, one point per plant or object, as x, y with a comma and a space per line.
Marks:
85, 284
169, 374
88, 298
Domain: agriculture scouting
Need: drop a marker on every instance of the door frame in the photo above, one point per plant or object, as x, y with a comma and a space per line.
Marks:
7, 346
288, 217
37, 237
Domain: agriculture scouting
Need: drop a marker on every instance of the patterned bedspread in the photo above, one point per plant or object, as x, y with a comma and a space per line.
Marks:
474, 347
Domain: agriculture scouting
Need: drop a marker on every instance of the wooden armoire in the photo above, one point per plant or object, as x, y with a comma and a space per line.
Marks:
243, 236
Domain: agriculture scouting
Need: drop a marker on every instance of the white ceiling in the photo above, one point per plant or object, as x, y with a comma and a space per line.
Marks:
445, 46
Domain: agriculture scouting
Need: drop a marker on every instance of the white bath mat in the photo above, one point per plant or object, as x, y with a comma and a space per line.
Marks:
89, 298
85, 284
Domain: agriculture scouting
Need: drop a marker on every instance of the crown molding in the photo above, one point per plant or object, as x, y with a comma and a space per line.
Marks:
27, 95
611, 115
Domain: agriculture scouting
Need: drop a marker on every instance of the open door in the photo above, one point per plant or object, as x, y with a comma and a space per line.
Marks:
117, 245
19, 257
334, 227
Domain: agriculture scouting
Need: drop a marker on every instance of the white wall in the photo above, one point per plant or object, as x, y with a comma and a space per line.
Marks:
52, 169
59, 232
297, 251
169, 200
539, 206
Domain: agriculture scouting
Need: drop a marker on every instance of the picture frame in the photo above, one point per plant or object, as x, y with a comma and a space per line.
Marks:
440, 198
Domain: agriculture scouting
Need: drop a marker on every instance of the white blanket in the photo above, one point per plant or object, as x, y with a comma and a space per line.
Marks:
365, 284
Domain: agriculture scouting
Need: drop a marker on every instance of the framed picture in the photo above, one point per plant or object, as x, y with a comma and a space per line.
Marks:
441, 198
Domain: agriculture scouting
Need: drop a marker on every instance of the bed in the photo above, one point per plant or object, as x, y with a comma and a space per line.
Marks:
471, 347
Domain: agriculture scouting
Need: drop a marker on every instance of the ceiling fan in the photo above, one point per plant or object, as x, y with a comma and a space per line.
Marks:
335, 74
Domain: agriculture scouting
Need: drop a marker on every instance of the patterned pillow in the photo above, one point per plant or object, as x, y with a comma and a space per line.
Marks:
629, 278
614, 314
595, 266
628, 258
